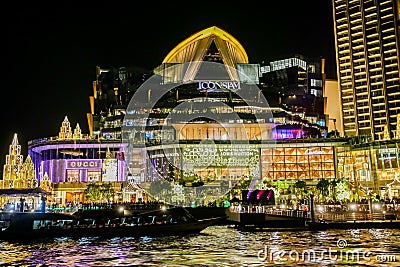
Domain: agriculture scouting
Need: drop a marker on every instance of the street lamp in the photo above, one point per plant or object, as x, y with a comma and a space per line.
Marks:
334, 125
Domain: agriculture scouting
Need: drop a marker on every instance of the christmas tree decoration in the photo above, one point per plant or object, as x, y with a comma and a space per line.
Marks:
65, 130
77, 132
45, 183
18, 174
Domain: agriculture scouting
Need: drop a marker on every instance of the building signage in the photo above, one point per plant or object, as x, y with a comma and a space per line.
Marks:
222, 155
165, 155
84, 164
110, 170
218, 85
312, 151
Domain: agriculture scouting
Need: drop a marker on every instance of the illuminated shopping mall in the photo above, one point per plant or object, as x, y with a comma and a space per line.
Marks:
205, 121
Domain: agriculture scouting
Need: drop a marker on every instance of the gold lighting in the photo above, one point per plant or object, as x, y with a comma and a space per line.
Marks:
194, 48
180, 53
90, 123
95, 89
17, 173
91, 100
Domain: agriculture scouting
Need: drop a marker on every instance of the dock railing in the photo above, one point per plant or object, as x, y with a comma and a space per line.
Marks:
271, 210
357, 212
322, 212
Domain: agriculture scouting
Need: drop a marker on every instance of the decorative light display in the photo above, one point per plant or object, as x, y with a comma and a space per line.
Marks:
65, 129
77, 132
342, 190
16, 173
205, 156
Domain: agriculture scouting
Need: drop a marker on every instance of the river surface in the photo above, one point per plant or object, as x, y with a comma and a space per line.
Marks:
219, 245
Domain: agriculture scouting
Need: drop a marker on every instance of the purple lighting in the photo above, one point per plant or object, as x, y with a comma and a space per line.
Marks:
269, 194
249, 194
84, 163
57, 169
260, 194
287, 133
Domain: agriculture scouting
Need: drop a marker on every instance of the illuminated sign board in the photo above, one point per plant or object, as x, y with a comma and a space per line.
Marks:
84, 164
313, 151
110, 170
223, 155
163, 155
218, 85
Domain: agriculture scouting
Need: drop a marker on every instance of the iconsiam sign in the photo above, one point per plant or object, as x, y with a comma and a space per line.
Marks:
209, 151
218, 85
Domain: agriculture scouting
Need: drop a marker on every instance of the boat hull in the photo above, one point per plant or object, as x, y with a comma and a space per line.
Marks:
22, 229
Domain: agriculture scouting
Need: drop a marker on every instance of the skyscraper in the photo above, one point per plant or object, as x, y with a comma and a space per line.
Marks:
367, 54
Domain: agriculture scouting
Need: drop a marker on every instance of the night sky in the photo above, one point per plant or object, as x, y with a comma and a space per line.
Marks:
52, 49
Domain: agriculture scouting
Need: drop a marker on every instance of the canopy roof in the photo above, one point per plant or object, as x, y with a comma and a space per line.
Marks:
194, 49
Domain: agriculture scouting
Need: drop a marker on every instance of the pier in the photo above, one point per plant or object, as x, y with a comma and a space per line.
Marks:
352, 215
245, 217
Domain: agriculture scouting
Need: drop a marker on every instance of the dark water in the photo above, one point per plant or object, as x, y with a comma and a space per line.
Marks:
215, 246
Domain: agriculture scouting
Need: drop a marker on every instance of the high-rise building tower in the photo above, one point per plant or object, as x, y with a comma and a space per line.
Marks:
368, 61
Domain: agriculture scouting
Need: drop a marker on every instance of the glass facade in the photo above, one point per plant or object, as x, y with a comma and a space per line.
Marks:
374, 168
81, 161
303, 163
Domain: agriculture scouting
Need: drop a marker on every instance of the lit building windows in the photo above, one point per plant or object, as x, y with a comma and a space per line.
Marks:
366, 31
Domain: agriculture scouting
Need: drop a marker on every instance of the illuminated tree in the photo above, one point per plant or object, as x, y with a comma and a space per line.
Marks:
45, 184
333, 188
159, 188
106, 192
65, 129
301, 188
92, 192
95, 192
323, 187
77, 132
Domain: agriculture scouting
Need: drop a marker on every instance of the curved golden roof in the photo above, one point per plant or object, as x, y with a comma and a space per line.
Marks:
194, 47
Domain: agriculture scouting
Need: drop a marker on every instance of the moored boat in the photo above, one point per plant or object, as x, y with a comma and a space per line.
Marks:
175, 221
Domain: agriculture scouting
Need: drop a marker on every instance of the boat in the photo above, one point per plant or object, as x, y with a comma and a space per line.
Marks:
33, 225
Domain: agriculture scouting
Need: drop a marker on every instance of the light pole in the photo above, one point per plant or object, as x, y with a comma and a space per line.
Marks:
334, 126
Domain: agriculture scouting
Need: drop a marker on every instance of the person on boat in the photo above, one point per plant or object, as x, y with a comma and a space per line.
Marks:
21, 206
43, 204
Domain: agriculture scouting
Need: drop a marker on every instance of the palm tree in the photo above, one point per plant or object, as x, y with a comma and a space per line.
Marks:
301, 188
106, 192
323, 187
333, 188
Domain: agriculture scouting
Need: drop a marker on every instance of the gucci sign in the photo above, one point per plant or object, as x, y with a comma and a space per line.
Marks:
77, 164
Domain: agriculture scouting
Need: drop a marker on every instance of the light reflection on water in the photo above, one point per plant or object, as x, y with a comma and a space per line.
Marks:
215, 246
